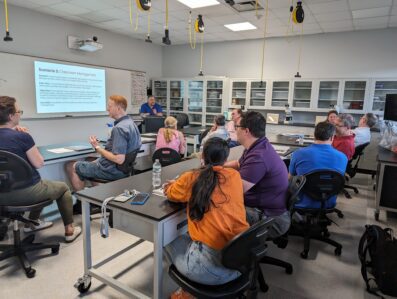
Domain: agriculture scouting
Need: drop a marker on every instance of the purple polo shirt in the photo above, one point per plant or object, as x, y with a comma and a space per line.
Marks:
263, 167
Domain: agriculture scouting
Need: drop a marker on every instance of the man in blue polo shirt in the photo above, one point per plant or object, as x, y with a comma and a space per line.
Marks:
124, 139
151, 108
264, 175
319, 155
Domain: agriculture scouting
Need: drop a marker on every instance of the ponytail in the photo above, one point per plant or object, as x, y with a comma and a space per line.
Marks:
168, 133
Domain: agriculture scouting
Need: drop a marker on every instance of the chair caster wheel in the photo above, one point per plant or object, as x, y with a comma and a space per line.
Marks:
30, 273
356, 191
304, 254
289, 270
338, 251
55, 250
340, 215
264, 288
83, 284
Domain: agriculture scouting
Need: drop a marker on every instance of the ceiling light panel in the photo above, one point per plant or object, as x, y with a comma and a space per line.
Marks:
240, 26
199, 3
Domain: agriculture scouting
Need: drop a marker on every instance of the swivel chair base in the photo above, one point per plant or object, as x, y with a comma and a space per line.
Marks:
20, 248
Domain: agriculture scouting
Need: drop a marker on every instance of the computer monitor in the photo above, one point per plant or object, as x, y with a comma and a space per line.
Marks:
153, 123
391, 107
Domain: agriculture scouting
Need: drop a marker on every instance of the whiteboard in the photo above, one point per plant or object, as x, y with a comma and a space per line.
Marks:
17, 80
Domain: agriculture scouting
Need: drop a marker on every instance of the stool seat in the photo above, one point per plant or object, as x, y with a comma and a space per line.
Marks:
22, 209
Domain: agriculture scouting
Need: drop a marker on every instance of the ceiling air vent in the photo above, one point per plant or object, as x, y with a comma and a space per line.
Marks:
243, 6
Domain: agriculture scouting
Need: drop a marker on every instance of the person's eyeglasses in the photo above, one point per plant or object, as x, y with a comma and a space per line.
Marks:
19, 111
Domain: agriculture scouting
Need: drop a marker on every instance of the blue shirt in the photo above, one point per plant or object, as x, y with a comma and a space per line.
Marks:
18, 143
316, 157
263, 167
145, 108
124, 139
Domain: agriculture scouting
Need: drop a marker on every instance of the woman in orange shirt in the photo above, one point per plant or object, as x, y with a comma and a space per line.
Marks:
216, 214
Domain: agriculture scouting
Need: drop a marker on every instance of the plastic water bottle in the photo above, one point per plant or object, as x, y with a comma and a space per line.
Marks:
110, 127
156, 174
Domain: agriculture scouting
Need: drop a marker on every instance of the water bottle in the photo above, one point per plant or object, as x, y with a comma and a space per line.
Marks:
110, 127
156, 174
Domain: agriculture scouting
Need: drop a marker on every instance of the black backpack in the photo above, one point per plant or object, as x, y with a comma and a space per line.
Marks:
381, 247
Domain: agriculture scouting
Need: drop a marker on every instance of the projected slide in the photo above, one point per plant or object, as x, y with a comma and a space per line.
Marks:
62, 88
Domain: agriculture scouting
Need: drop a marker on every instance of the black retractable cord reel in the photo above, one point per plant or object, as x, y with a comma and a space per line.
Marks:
144, 5
298, 14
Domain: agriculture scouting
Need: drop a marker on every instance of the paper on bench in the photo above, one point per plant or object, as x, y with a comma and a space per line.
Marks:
60, 150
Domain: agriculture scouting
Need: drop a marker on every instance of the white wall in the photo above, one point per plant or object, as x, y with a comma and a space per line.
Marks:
45, 36
346, 54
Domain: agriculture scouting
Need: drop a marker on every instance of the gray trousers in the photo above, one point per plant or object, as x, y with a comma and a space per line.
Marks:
42, 191
280, 224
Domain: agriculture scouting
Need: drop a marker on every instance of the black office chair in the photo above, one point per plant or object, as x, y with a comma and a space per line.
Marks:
351, 170
243, 253
166, 156
183, 120
295, 186
320, 186
16, 173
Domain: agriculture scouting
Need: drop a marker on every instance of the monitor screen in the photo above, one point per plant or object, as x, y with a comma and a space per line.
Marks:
153, 123
391, 107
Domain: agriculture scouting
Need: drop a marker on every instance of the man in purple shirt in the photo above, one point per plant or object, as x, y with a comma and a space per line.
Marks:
264, 175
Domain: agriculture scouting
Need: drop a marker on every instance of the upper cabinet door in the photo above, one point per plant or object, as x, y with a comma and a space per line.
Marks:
195, 101
177, 92
354, 95
258, 94
382, 88
280, 93
214, 96
328, 94
302, 94
160, 88
239, 93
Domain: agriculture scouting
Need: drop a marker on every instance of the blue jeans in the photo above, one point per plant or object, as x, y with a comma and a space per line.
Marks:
91, 170
198, 262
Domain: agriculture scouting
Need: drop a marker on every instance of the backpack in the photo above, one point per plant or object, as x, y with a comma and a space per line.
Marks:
381, 247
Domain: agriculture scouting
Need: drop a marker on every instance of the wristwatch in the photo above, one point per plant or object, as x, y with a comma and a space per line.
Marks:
97, 147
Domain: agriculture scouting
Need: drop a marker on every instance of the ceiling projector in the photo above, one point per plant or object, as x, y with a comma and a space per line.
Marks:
90, 45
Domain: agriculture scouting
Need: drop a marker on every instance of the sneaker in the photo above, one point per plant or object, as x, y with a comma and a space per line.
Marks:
42, 225
72, 237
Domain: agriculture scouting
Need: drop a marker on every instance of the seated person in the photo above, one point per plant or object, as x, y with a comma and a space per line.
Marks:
362, 132
216, 214
124, 139
170, 136
217, 130
319, 155
236, 115
344, 138
17, 140
151, 108
264, 175
332, 115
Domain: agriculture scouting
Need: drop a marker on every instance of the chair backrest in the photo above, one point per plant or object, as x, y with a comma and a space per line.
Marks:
294, 188
166, 156
247, 248
322, 184
358, 152
183, 120
128, 166
15, 172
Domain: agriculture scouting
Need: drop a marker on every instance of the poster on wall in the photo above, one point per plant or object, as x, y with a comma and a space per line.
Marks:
138, 88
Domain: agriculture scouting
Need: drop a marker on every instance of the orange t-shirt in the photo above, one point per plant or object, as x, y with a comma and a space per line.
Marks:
226, 216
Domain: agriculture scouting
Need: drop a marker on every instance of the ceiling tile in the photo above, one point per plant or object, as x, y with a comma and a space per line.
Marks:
95, 17
370, 23
23, 3
92, 4
348, 24
362, 4
70, 8
46, 2
328, 7
371, 12
334, 17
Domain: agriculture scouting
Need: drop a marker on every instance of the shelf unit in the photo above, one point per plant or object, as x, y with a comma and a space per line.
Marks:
257, 94
160, 91
328, 94
380, 88
195, 101
177, 95
239, 94
280, 93
354, 94
302, 94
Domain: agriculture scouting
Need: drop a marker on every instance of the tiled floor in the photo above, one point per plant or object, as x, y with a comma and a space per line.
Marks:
323, 275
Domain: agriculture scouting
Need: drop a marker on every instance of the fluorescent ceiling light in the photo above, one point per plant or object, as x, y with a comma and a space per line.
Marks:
240, 26
199, 3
